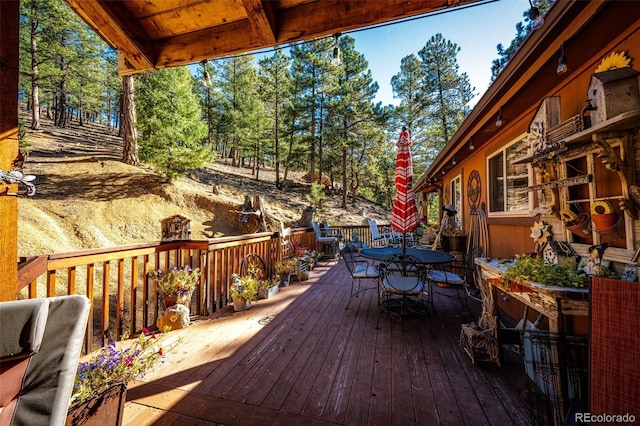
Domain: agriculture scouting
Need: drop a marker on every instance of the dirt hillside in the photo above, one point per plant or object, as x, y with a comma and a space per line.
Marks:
87, 198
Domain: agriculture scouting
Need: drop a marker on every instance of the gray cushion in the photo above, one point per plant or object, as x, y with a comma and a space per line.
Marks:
400, 284
445, 277
23, 323
48, 382
363, 271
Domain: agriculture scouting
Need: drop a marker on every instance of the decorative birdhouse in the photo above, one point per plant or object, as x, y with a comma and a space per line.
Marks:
176, 228
559, 253
613, 92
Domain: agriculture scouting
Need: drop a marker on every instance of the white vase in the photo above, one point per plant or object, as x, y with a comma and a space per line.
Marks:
241, 304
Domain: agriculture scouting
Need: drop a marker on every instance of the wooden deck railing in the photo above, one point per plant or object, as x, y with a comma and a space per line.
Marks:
116, 280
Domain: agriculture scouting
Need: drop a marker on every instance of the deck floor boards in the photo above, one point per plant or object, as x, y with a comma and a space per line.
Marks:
302, 358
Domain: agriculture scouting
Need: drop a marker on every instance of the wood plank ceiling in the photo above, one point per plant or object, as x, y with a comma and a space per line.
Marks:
152, 34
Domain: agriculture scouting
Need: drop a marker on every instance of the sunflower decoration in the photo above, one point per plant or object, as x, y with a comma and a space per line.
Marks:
568, 216
613, 61
601, 207
540, 232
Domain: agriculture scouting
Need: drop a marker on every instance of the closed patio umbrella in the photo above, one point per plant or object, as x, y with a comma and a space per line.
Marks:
404, 215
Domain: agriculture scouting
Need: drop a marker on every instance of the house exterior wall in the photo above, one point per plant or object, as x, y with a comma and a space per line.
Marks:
509, 234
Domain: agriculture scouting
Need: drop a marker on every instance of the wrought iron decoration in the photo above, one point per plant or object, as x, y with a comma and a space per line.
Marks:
16, 176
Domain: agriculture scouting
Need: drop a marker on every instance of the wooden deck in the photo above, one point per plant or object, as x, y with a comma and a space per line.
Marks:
302, 359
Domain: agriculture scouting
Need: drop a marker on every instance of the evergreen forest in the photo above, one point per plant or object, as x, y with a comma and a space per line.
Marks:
293, 108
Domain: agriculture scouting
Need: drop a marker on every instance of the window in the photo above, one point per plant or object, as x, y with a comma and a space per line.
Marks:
508, 182
456, 197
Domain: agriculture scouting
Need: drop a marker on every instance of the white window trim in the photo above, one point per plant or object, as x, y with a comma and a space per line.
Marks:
460, 205
491, 155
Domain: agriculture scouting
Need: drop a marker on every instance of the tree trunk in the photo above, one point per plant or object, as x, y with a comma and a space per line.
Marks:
61, 112
344, 179
130, 140
35, 91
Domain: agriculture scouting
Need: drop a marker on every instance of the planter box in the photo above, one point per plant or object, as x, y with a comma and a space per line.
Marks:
267, 293
104, 409
240, 304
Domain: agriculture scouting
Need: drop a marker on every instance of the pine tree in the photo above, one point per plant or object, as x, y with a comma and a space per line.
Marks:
170, 122
240, 105
449, 93
130, 146
312, 79
275, 91
352, 117
407, 86
522, 31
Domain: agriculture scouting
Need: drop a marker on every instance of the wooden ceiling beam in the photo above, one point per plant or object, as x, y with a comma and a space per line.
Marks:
315, 19
215, 42
332, 16
120, 30
261, 20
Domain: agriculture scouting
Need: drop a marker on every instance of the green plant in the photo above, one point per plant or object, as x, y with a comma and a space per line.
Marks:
316, 196
267, 284
177, 280
112, 365
452, 231
245, 287
284, 267
537, 270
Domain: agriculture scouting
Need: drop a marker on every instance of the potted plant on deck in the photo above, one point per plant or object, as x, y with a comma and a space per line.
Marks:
454, 238
284, 269
101, 382
176, 284
268, 288
243, 290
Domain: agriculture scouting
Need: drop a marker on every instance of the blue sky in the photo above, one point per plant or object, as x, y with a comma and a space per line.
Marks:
476, 30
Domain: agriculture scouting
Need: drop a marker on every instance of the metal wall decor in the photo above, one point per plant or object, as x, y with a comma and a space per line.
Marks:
16, 176
474, 190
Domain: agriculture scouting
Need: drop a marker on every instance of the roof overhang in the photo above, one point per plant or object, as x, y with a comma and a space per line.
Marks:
158, 34
531, 73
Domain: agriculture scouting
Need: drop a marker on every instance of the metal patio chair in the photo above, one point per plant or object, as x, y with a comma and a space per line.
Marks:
404, 290
359, 269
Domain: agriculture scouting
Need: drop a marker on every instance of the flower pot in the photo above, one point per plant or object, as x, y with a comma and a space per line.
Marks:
266, 293
580, 226
284, 280
604, 222
241, 304
105, 408
456, 243
175, 299
608, 225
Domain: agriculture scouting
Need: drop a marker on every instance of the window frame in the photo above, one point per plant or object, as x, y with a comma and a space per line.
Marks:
522, 138
457, 201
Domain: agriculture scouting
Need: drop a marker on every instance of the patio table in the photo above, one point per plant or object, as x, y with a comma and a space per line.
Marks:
424, 256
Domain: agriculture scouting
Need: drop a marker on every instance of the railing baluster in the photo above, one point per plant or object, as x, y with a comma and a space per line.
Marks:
145, 290
133, 304
88, 341
106, 294
71, 280
120, 299
51, 283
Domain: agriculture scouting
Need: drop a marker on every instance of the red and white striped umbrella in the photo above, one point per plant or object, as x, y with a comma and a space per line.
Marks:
404, 216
